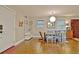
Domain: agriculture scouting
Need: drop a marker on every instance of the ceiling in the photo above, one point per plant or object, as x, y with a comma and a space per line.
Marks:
46, 10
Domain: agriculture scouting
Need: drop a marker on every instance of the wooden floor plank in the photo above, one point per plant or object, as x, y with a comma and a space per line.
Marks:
34, 46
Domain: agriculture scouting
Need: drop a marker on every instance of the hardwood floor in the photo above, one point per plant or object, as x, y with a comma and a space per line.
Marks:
35, 46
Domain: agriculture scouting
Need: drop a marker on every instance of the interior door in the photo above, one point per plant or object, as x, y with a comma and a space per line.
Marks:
75, 27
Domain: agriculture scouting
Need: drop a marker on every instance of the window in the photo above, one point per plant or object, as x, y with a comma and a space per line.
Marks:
40, 23
60, 24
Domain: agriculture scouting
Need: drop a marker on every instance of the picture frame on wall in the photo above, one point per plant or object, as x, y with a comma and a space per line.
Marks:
20, 23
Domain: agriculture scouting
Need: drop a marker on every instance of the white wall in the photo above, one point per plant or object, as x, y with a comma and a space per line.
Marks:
12, 33
19, 33
7, 19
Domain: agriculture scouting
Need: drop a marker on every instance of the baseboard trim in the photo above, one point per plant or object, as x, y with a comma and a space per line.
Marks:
28, 39
76, 39
36, 36
6, 49
19, 42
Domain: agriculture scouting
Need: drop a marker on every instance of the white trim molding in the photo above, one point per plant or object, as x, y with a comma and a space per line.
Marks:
77, 39
36, 36
19, 42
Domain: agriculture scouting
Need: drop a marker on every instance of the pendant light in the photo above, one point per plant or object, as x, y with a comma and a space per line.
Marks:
52, 19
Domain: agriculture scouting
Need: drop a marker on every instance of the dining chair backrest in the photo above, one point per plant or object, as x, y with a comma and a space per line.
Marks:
41, 35
44, 36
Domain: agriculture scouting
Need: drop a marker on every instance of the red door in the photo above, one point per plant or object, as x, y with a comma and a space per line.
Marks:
75, 27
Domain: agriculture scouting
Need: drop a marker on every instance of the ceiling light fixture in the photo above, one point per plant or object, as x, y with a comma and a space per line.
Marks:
52, 19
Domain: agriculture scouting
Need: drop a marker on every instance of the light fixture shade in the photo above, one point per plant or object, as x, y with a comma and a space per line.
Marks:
49, 23
52, 19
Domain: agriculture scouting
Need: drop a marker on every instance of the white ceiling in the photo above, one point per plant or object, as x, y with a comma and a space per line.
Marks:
45, 10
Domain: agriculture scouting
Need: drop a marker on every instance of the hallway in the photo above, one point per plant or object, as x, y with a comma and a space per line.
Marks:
34, 46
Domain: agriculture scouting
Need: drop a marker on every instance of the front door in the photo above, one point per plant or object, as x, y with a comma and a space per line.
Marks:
75, 27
